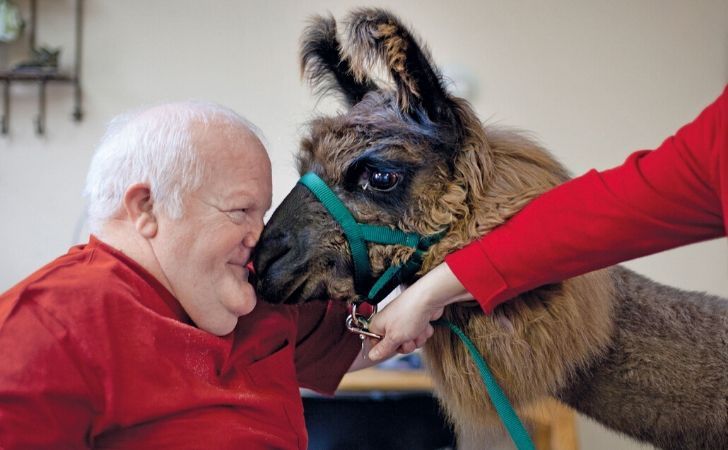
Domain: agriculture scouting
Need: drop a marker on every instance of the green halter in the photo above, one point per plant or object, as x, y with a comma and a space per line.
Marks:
359, 234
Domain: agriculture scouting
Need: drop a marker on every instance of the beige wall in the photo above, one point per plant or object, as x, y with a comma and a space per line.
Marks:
592, 80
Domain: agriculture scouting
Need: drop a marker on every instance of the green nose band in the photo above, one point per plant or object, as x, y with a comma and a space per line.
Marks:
359, 234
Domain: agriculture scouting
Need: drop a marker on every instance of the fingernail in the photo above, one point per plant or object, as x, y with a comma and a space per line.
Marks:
373, 355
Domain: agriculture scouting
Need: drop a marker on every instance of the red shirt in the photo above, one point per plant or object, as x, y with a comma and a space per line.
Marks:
97, 353
671, 196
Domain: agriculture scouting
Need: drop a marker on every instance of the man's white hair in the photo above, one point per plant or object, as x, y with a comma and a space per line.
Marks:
156, 146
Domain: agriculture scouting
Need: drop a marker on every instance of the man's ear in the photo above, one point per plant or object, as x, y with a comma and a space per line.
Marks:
138, 206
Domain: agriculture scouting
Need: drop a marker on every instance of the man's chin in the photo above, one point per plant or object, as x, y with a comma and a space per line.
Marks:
246, 307
243, 302
226, 318
220, 327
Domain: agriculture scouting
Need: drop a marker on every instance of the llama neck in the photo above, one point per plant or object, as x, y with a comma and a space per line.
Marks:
664, 377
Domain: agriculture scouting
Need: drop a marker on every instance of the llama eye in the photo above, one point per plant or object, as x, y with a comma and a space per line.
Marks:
383, 180
376, 179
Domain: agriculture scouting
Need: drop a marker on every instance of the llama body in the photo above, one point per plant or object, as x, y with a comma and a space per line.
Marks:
663, 378
643, 359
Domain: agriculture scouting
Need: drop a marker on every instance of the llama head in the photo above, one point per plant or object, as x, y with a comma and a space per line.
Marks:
405, 154
389, 157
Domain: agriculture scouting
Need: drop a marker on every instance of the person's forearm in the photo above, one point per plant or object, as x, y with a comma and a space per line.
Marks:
655, 201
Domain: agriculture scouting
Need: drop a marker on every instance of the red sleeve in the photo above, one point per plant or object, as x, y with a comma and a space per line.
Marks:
325, 349
655, 201
44, 401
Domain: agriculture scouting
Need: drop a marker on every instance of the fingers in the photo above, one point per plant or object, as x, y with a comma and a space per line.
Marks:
407, 347
421, 339
383, 349
388, 347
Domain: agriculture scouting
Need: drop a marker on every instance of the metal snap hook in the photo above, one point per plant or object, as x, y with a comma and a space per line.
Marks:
358, 324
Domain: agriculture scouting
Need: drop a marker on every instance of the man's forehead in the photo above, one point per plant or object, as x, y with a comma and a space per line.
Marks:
236, 163
251, 184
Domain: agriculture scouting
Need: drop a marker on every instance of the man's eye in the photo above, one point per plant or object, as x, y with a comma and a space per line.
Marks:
237, 214
380, 180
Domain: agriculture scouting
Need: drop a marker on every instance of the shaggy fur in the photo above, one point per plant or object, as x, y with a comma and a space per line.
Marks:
641, 358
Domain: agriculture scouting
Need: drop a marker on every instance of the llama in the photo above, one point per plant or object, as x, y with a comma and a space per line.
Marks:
644, 359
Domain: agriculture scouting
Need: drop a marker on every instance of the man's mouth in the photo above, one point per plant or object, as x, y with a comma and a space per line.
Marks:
245, 273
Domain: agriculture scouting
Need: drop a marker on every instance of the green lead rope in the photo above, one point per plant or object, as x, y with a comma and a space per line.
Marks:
358, 235
502, 405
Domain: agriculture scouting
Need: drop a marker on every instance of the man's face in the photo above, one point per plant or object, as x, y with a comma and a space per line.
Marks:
203, 254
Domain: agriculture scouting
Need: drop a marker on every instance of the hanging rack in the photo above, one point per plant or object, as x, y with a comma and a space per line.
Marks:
43, 76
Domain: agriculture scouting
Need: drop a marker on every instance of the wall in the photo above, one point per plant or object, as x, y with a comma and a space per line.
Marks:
592, 81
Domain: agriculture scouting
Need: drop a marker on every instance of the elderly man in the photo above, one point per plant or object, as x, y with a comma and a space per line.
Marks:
149, 336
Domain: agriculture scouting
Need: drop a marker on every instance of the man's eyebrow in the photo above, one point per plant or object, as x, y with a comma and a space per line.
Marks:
239, 194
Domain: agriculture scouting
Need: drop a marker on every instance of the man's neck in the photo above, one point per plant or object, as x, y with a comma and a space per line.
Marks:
123, 237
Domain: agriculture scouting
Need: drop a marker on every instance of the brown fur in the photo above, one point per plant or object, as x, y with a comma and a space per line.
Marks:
535, 342
644, 359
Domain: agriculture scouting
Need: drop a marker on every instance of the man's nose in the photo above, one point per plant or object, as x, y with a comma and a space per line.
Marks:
251, 238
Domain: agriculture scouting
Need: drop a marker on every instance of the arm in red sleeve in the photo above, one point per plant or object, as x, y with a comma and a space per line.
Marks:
325, 349
655, 201
44, 401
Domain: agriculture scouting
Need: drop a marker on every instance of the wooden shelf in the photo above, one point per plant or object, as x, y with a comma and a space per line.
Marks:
373, 379
36, 75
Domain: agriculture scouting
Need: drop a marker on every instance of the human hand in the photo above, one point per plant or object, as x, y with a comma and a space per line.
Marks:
405, 322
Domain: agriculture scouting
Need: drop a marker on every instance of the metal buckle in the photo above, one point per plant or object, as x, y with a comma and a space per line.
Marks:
360, 325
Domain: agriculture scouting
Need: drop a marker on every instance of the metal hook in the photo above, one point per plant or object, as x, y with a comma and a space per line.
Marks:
360, 325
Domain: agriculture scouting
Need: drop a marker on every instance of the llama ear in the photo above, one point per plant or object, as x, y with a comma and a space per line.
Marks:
376, 36
323, 65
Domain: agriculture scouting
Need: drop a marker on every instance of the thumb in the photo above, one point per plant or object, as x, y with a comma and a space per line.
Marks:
383, 349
